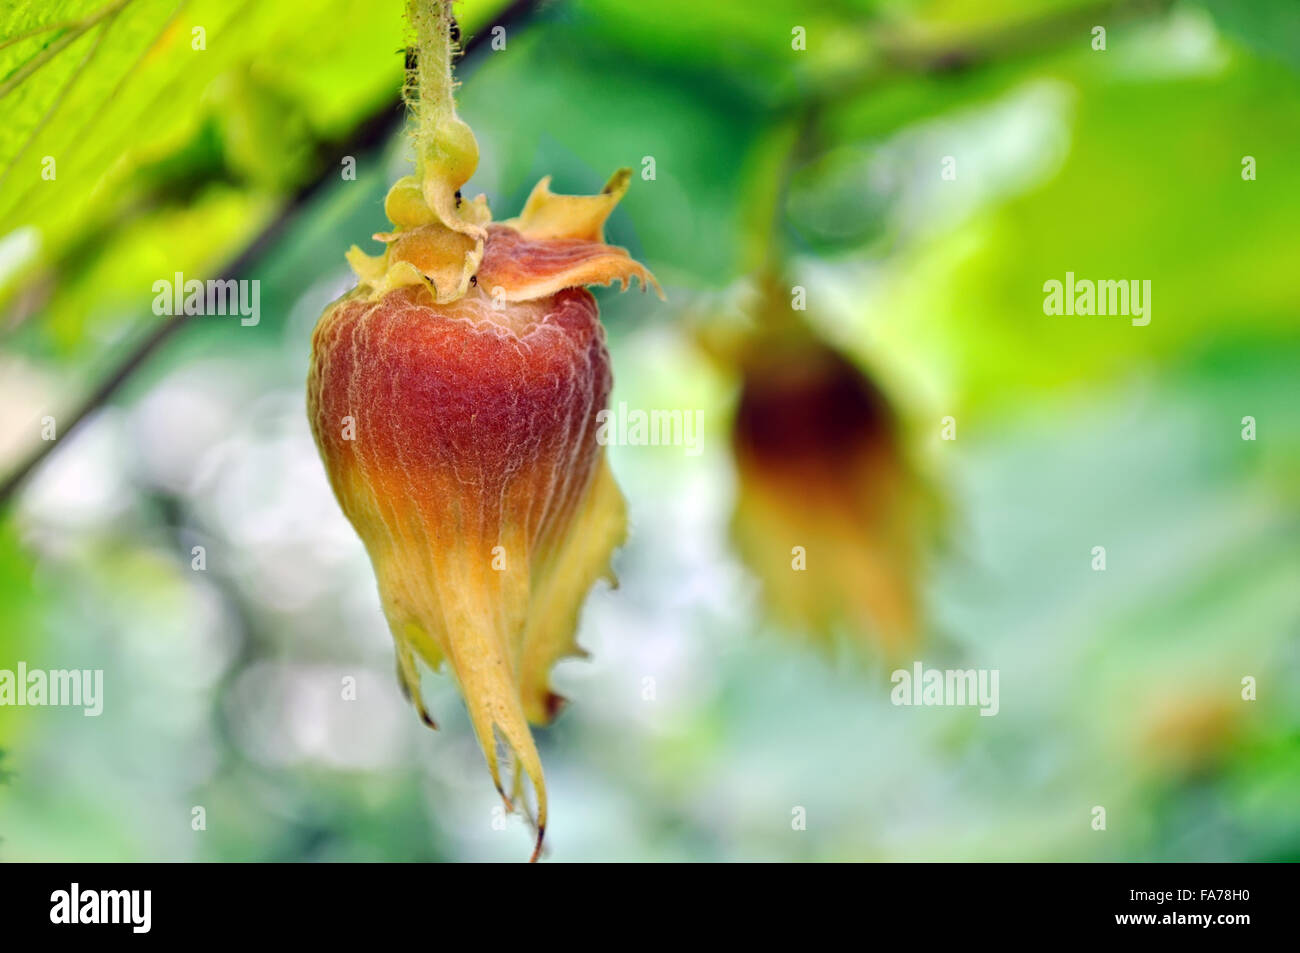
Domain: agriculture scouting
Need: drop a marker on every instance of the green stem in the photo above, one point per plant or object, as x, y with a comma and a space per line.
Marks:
431, 96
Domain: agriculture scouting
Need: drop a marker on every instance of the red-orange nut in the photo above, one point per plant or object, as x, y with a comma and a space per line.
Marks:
460, 440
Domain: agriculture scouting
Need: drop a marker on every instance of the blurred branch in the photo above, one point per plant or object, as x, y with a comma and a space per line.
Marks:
1027, 36
373, 132
899, 55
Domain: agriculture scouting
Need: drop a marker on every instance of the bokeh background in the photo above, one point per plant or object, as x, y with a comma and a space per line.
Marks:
701, 723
